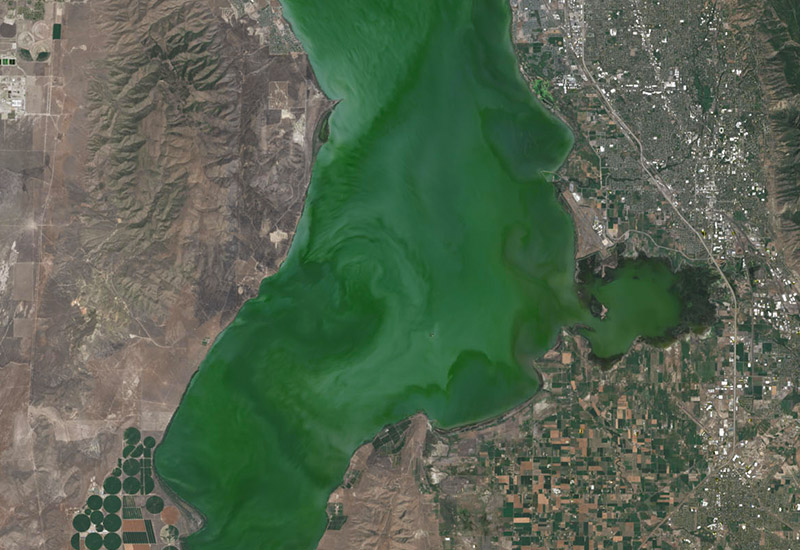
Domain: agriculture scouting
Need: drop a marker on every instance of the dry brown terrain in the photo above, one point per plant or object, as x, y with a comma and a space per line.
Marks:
770, 29
157, 178
384, 504
401, 499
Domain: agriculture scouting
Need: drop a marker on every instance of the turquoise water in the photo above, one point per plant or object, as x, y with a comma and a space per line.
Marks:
432, 263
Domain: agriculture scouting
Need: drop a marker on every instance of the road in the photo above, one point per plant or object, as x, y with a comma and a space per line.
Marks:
666, 192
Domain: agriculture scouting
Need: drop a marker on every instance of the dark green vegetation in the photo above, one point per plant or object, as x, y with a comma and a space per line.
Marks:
94, 502
154, 504
789, 402
131, 467
336, 518
112, 485
96, 517
131, 485
112, 522
103, 513
391, 439
94, 541
747, 432
132, 436
541, 88
27, 56
112, 541
705, 97
692, 285
431, 265
81, 522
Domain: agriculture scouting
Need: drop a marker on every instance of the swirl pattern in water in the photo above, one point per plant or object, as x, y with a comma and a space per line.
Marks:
431, 263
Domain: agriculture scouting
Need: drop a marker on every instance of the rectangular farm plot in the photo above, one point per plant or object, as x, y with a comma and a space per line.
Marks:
138, 532
151, 536
131, 513
133, 524
134, 537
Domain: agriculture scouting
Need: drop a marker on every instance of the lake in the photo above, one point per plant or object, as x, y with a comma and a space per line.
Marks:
431, 264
